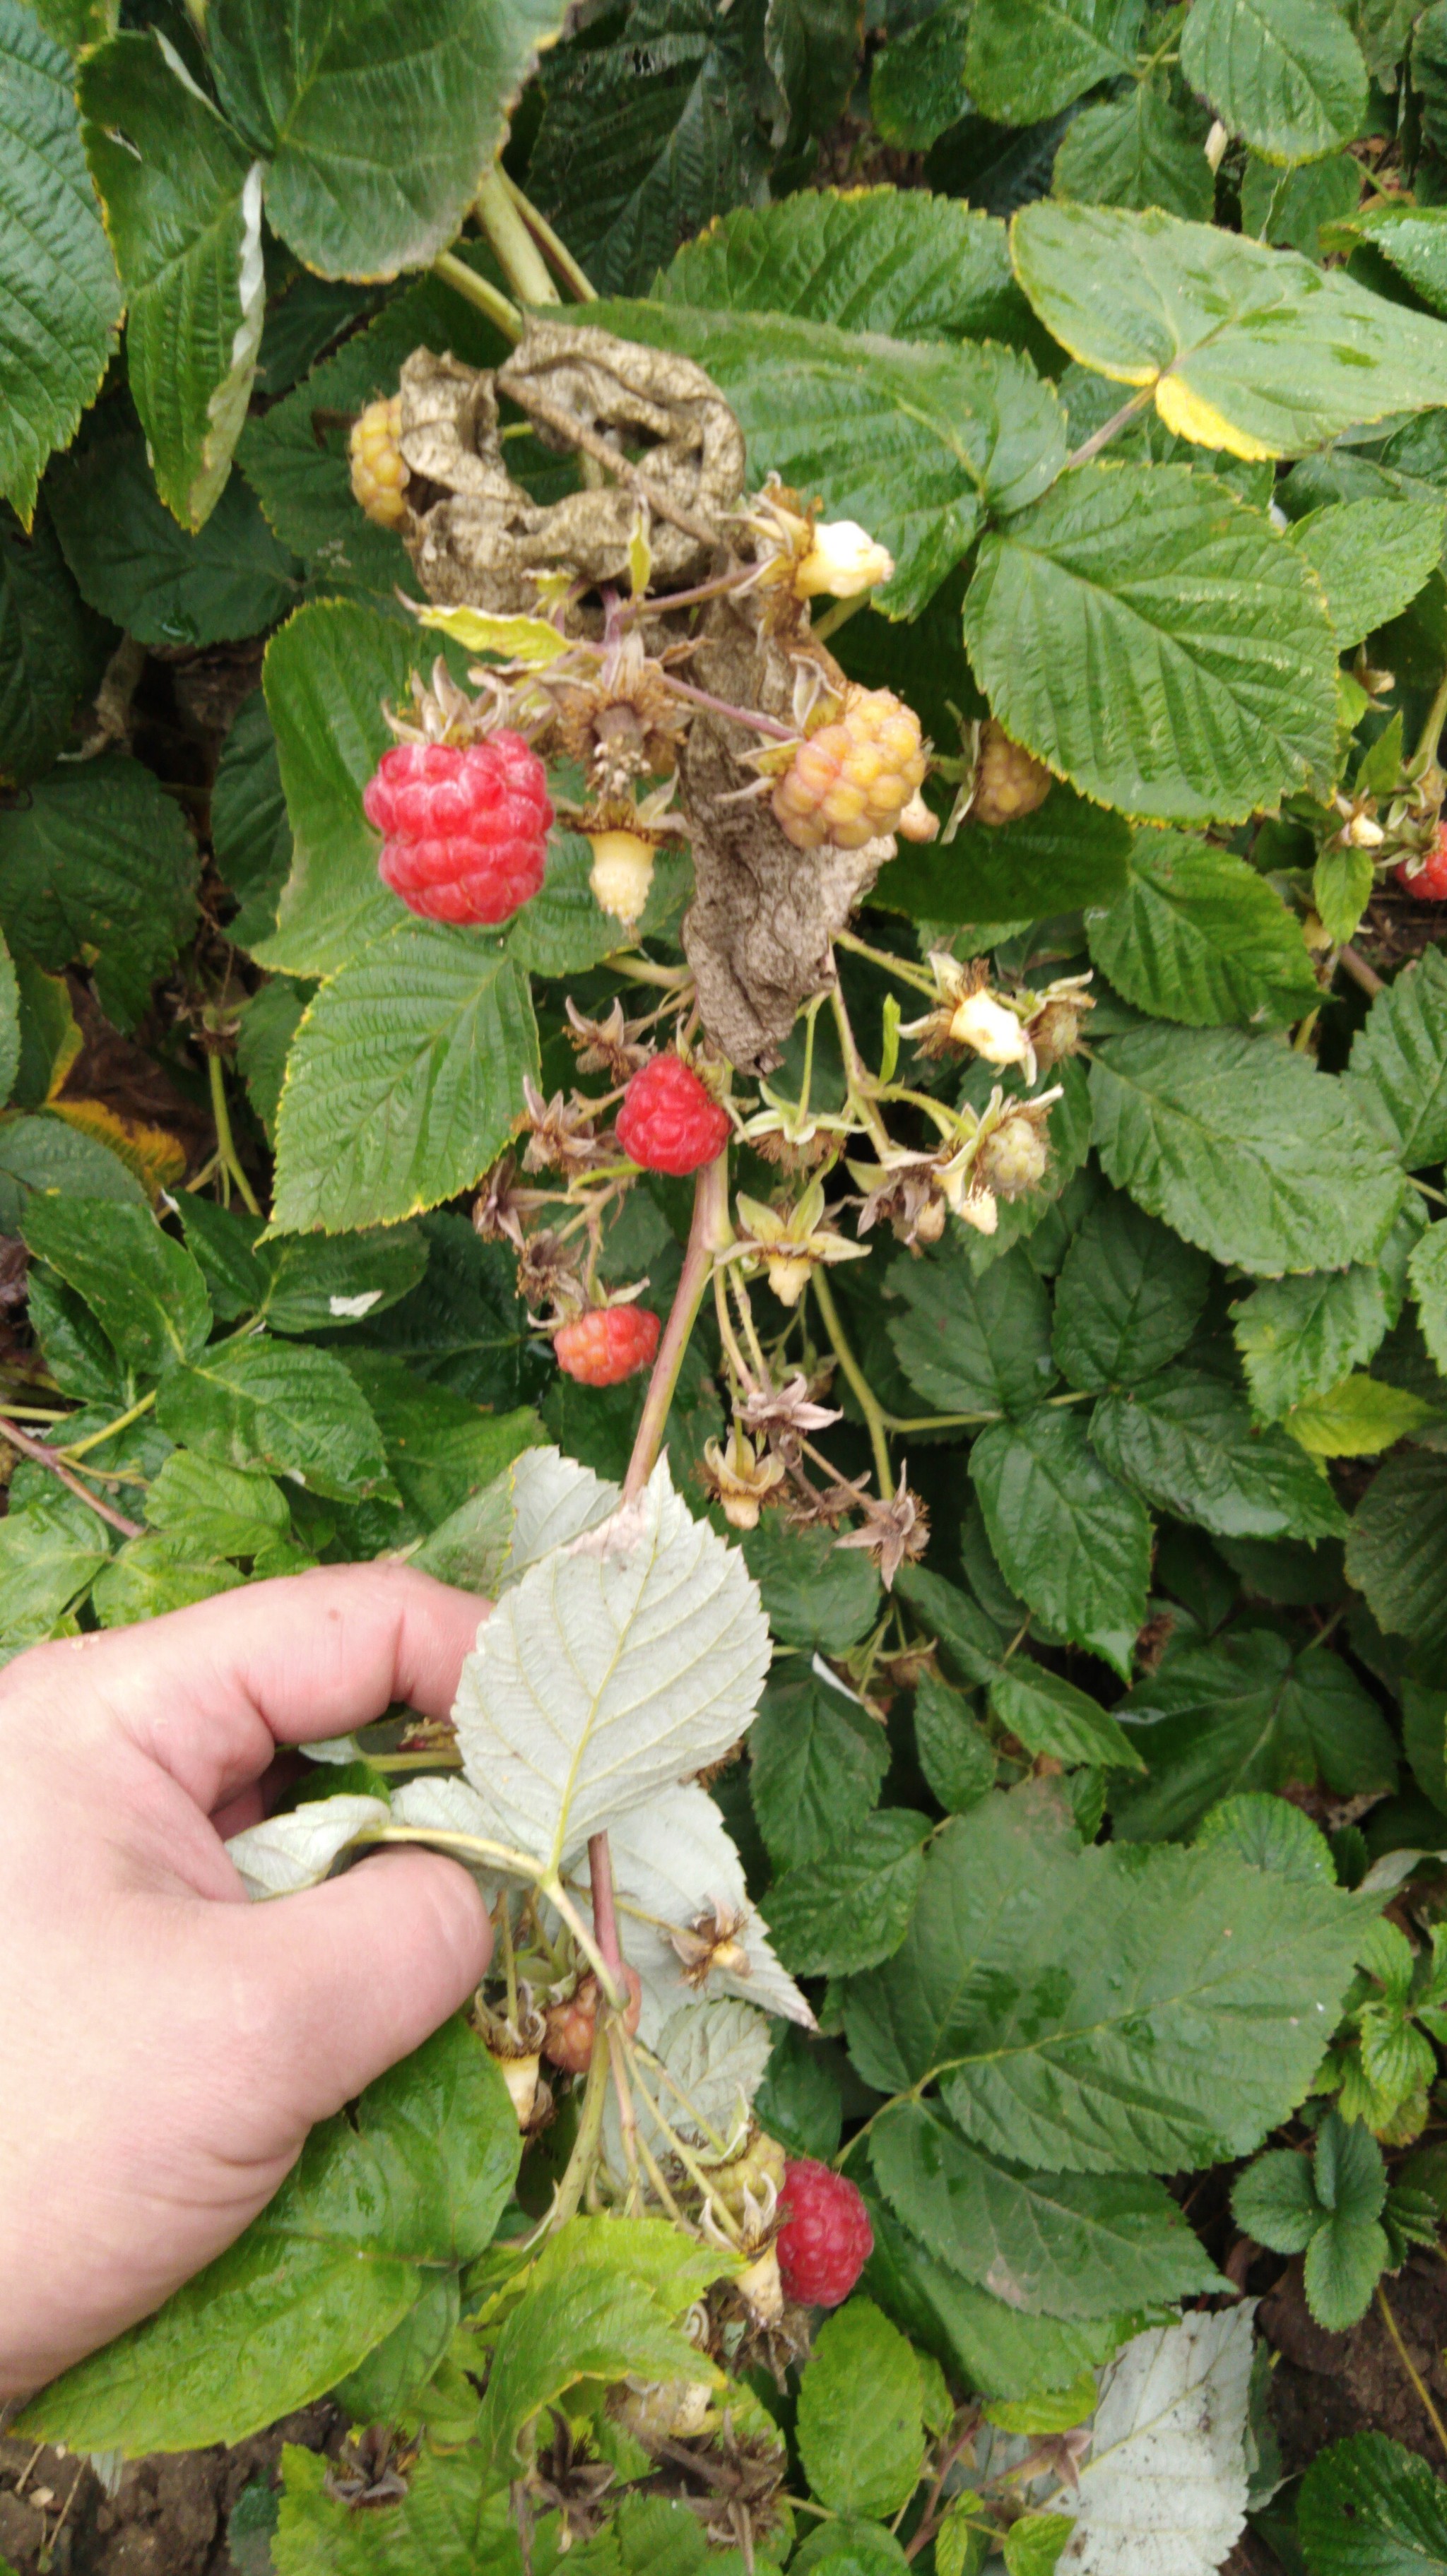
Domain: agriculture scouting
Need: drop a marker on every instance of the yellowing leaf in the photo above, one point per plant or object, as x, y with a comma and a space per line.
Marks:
515, 639
1189, 415
1251, 349
157, 1158
1357, 1418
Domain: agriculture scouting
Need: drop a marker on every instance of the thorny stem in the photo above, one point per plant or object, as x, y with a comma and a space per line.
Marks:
1411, 2369
864, 1394
225, 1140
518, 255
707, 1235
547, 240
93, 1439
29, 1447
464, 281
1111, 428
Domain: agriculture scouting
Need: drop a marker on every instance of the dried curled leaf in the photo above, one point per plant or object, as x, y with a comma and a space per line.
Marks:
475, 535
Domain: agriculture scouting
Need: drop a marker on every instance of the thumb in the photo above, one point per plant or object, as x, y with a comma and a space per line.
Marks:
358, 1972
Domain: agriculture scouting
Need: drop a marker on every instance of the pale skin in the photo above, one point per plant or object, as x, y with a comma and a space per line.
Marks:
166, 2046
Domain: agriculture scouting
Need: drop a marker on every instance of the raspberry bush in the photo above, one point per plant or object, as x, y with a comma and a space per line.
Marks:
720, 876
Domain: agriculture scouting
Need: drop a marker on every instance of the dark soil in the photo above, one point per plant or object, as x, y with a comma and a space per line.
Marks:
1325, 2386
167, 2517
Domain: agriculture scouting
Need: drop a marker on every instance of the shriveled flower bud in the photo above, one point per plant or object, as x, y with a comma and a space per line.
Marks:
843, 560
1054, 1022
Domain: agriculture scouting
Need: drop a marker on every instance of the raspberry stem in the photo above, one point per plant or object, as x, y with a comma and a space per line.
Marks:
605, 1920
225, 1140
584, 2157
915, 976
738, 715
573, 277
464, 281
708, 1234
518, 255
864, 1394
1111, 428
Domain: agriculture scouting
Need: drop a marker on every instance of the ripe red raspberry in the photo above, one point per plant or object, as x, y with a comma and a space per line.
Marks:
466, 830
852, 779
1430, 881
668, 1122
606, 1344
826, 2238
571, 2025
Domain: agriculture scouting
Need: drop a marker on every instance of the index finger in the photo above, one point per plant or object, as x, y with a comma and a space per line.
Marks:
209, 1692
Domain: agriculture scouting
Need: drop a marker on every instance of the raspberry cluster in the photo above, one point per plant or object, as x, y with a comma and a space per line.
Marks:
668, 1122
826, 2238
379, 477
607, 1344
852, 779
466, 830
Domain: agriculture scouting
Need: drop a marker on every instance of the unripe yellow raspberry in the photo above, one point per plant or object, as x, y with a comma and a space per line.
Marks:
622, 874
1013, 1160
379, 477
1008, 782
854, 778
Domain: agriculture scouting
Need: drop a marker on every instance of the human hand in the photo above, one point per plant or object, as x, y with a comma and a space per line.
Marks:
167, 2046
